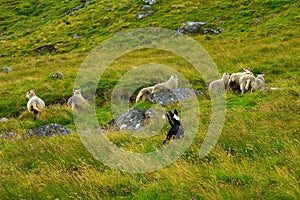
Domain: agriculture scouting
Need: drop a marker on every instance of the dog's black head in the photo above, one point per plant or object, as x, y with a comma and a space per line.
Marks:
176, 131
173, 118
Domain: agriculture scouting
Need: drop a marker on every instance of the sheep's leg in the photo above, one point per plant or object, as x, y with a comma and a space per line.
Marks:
35, 114
73, 106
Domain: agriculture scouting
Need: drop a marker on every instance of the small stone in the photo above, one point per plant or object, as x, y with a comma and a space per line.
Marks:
145, 7
3, 119
75, 37
46, 48
58, 75
213, 31
190, 27
8, 69
144, 14
74, 9
86, 2
150, 2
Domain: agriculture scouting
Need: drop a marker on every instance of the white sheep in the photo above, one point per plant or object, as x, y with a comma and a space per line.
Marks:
34, 104
247, 82
172, 83
144, 93
233, 83
77, 100
219, 85
259, 82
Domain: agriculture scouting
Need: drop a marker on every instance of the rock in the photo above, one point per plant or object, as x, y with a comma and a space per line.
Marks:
258, 20
167, 97
144, 14
3, 119
74, 9
58, 75
47, 48
190, 27
48, 131
133, 119
84, 4
8, 69
145, 7
150, 2
75, 37
213, 31
10, 135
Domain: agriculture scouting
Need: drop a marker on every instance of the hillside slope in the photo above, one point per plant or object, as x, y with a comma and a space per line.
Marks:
257, 155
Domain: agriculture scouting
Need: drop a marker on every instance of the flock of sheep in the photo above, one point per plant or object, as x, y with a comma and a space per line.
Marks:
241, 81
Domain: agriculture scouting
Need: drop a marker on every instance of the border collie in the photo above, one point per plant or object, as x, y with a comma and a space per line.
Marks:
176, 131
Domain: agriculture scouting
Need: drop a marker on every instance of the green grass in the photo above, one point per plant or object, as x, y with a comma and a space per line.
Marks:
257, 155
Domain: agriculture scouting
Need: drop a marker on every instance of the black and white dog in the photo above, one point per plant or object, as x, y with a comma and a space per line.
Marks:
176, 131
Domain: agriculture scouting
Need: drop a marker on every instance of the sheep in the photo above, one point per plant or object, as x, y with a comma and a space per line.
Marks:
259, 82
233, 83
172, 83
76, 101
247, 82
144, 93
220, 84
34, 104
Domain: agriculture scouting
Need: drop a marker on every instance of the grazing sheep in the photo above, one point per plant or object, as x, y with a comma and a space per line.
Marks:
144, 93
77, 100
172, 83
220, 84
34, 104
233, 83
247, 82
259, 82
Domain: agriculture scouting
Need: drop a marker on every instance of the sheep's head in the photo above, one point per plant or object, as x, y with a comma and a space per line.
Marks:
30, 94
226, 76
174, 78
248, 71
260, 76
77, 92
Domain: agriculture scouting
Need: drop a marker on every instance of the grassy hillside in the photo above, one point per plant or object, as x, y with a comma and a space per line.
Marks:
257, 155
